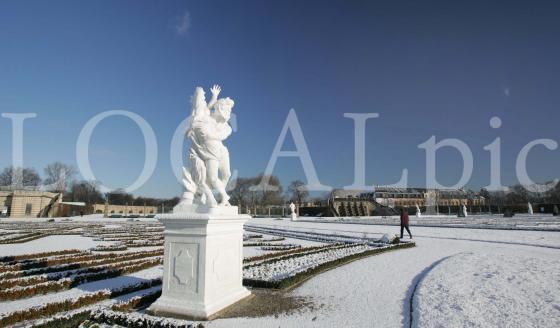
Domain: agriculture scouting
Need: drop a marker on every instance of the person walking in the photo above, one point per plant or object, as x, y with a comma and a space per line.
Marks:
404, 223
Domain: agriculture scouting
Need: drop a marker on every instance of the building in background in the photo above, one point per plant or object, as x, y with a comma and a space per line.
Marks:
109, 210
386, 201
409, 197
29, 203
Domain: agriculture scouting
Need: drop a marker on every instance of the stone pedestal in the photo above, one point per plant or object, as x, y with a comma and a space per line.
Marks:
203, 259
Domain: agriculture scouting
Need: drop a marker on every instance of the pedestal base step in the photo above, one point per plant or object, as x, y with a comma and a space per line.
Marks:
183, 309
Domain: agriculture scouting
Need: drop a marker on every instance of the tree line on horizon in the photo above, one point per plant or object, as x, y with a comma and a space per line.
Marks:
60, 178
246, 192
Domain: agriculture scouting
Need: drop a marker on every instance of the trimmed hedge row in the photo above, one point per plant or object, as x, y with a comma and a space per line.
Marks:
23, 239
71, 263
324, 248
137, 320
75, 319
125, 239
251, 236
11, 283
68, 305
109, 248
280, 247
38, 255
269, 256
137, 302
258, 244
68, 283
68, 321
302, 276
145, 244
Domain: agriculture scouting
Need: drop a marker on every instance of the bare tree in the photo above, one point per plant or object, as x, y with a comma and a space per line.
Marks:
251, 192
59, 176
298, 192
20, 178
240, 195
270, 194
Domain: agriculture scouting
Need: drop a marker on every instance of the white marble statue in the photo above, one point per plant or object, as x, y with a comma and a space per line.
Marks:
529, 208
293, 209
465, 210
208, 170
203, 257
418, 212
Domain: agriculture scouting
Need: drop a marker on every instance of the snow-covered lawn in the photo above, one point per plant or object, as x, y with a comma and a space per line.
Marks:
489, 290
49, 244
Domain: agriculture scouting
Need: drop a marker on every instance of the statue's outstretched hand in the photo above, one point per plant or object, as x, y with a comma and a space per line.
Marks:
215, 90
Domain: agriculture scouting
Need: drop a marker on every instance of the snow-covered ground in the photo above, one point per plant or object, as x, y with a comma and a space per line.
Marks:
452, 278
377, 291
489, 290
49, 244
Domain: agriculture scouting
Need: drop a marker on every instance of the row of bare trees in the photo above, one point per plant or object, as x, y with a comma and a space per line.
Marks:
519, 194
60, 177
263, 191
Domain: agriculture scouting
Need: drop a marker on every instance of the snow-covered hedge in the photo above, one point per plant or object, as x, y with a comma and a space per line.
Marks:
68, 305
279, 247
248, 236
256, 244
146, 243
109, 248
137, 302
313, 236
67, 283
33, 280
138, 320
302, 250
23, 238
281, 273
70, 263
76, 317
8, 259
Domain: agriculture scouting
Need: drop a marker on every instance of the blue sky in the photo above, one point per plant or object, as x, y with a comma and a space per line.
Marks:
428, 68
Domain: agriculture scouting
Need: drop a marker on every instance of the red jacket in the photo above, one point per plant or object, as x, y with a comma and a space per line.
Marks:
404, 219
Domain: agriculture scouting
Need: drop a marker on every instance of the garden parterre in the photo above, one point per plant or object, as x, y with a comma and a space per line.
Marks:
126, 260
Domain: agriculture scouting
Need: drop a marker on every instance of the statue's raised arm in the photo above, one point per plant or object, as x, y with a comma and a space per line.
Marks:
216, 89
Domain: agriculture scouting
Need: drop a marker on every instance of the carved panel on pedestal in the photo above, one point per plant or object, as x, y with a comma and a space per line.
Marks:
183, 267
226, 263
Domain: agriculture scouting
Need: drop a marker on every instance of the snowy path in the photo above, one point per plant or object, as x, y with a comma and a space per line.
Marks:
376, 291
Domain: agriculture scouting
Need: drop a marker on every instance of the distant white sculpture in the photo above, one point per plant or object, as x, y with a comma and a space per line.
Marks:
208, 168
529, 208
293, 209
465, 210
418, 212
203, 256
